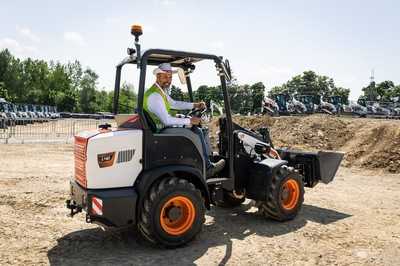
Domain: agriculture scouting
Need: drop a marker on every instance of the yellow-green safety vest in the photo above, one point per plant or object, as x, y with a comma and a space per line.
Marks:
156, 120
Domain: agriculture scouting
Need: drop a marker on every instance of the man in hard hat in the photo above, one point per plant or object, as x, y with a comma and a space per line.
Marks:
158, 104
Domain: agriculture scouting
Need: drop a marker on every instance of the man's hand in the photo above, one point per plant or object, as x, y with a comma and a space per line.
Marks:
200, 105
195, 120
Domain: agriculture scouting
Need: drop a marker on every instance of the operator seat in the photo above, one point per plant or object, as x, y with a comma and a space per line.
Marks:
150, 122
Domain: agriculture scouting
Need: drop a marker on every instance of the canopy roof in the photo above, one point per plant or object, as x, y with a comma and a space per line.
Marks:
175, 58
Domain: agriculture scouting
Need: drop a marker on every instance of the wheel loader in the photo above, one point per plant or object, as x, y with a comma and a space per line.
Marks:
136, 175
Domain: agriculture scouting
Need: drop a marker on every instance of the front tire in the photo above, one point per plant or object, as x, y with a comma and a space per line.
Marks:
285, 197
172, 213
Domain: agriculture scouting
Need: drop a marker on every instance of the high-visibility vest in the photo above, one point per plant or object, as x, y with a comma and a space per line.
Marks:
151, 90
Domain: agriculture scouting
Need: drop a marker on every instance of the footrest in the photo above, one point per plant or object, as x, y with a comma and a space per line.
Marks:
216, 180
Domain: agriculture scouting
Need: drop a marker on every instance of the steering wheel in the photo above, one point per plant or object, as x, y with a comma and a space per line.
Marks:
196, 112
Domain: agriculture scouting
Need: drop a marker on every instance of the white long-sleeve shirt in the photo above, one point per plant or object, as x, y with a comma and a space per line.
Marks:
156, 105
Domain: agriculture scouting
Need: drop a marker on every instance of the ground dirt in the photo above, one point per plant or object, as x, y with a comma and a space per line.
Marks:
355, 220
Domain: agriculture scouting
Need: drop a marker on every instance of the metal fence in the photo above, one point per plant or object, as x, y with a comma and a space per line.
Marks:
46, 130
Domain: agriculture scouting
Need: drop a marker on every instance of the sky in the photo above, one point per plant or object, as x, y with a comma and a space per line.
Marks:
268, 41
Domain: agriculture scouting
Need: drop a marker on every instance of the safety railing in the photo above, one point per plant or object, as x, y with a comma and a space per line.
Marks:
45, 130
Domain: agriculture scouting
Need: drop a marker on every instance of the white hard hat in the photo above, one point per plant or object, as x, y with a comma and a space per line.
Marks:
164, 68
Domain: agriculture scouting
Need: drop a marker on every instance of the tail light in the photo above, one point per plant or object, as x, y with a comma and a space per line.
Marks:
80, 160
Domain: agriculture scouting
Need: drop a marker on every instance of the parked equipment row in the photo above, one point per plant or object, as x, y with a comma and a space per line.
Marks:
12, 114
286, 104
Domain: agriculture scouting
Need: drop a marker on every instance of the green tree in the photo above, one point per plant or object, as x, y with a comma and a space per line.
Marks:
3, 91
277, 90
127, 99
61, 92
384, 90
176, 93
309, 83
245, 98
87, 95
202, 94
342, 92
67, 86
395, 93
10, 75
104, 101
257, 96
234, 97
371, 92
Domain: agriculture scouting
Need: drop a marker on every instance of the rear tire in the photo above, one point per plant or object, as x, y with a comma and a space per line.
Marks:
172, 213
285, 197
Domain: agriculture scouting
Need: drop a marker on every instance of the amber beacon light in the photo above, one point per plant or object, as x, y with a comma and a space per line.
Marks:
136, 30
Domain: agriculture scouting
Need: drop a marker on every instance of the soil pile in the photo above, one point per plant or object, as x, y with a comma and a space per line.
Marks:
368, 143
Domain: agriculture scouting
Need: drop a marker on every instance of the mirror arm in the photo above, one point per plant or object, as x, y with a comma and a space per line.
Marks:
189, 87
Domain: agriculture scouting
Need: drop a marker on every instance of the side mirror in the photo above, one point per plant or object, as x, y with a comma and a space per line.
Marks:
228, 68
182, 76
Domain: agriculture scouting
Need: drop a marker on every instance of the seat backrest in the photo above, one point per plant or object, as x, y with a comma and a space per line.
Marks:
150, 122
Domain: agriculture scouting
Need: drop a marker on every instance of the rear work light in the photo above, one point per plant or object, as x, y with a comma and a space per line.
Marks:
80, 158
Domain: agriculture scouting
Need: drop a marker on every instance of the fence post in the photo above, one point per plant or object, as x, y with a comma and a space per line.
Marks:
73, 128
10, 129
6, 128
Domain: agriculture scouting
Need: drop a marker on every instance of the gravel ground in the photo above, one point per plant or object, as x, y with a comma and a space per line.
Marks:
354, 220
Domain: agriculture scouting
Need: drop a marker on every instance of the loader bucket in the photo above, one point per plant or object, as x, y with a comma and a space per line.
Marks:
314, 166
329, 162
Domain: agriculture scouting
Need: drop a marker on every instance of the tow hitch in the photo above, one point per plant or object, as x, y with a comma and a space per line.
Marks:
73, 207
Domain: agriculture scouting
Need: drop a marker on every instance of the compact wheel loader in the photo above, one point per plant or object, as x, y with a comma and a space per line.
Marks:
155, 179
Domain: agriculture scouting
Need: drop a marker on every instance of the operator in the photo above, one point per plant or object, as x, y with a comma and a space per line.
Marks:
158, 104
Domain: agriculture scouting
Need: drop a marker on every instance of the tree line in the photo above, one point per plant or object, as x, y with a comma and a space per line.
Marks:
73, 88
309, 83
385, 91
70, 87
244, 99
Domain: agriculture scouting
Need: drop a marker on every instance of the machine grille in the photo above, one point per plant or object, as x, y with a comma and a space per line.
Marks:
80, 160
125, 156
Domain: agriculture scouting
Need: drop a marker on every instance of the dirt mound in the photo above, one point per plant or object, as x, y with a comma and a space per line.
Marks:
375, 145
368, 143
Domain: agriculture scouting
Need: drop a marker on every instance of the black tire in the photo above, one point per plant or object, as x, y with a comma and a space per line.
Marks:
160, 194
274, 207
229, 201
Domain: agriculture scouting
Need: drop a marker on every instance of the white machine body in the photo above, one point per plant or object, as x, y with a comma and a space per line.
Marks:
113, 158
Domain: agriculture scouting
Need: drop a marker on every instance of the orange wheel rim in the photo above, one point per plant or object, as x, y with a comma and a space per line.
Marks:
290, 194
177, 215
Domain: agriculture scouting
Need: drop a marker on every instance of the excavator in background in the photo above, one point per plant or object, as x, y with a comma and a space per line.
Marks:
324, 107
269, 107
288, 105
308, 101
